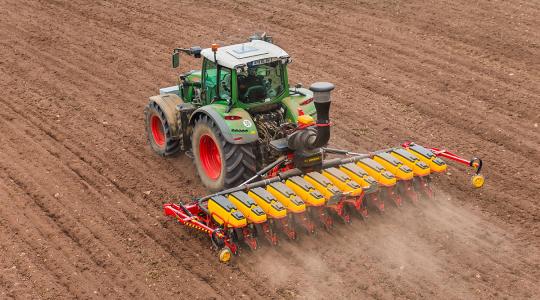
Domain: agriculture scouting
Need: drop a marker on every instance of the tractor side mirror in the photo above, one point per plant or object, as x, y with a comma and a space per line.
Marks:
176, 59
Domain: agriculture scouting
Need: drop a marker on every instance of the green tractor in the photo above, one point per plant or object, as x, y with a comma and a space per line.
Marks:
229, 114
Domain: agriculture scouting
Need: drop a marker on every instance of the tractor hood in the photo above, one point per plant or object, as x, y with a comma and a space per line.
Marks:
255, 52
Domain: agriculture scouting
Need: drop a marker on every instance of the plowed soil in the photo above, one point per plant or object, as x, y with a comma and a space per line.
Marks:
81, 192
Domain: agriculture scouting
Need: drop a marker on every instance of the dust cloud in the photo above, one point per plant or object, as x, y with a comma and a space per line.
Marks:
438, 245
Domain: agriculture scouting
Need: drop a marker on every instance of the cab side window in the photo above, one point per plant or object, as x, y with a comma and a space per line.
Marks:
214, 76
210, 80
225, 83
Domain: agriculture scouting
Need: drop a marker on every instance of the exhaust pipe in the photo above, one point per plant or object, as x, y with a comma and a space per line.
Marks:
321, 98
315, 138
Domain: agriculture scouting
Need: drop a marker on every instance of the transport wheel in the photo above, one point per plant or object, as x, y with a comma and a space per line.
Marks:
225, 254
220, 164
158, 131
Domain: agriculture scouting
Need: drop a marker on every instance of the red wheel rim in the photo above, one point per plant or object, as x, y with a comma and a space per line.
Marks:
209, 156
157, 131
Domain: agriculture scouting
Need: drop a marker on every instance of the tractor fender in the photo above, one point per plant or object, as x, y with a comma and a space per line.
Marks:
237, 131
168, 104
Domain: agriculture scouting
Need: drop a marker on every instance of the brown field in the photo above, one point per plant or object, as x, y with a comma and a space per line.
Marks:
81, 192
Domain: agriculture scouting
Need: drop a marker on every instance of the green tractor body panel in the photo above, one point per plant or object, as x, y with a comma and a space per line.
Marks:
236, 125
194, 77
187, 89
303, 101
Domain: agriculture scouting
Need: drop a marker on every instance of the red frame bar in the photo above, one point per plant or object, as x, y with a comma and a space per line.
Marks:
450, 155
172, 209
475, 162
444, 153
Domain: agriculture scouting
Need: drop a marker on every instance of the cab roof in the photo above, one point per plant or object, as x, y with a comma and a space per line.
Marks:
254, 52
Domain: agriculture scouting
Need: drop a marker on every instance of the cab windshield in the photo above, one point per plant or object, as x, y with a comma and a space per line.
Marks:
260, 83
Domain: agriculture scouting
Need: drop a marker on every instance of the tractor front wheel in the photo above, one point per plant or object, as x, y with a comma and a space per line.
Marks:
220, 164
158, 131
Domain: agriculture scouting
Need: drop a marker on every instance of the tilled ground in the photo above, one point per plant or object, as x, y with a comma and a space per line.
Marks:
81, 192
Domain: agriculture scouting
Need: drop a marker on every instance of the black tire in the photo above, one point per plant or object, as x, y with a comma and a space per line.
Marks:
155, 121
237, 162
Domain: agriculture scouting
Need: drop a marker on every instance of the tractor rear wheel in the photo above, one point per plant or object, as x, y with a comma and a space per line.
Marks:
158, 131
220, 164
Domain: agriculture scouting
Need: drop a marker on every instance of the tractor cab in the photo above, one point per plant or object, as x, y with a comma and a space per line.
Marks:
231, 114
243, 75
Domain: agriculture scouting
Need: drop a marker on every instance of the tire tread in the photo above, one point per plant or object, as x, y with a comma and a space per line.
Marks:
240, 162
172, 145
